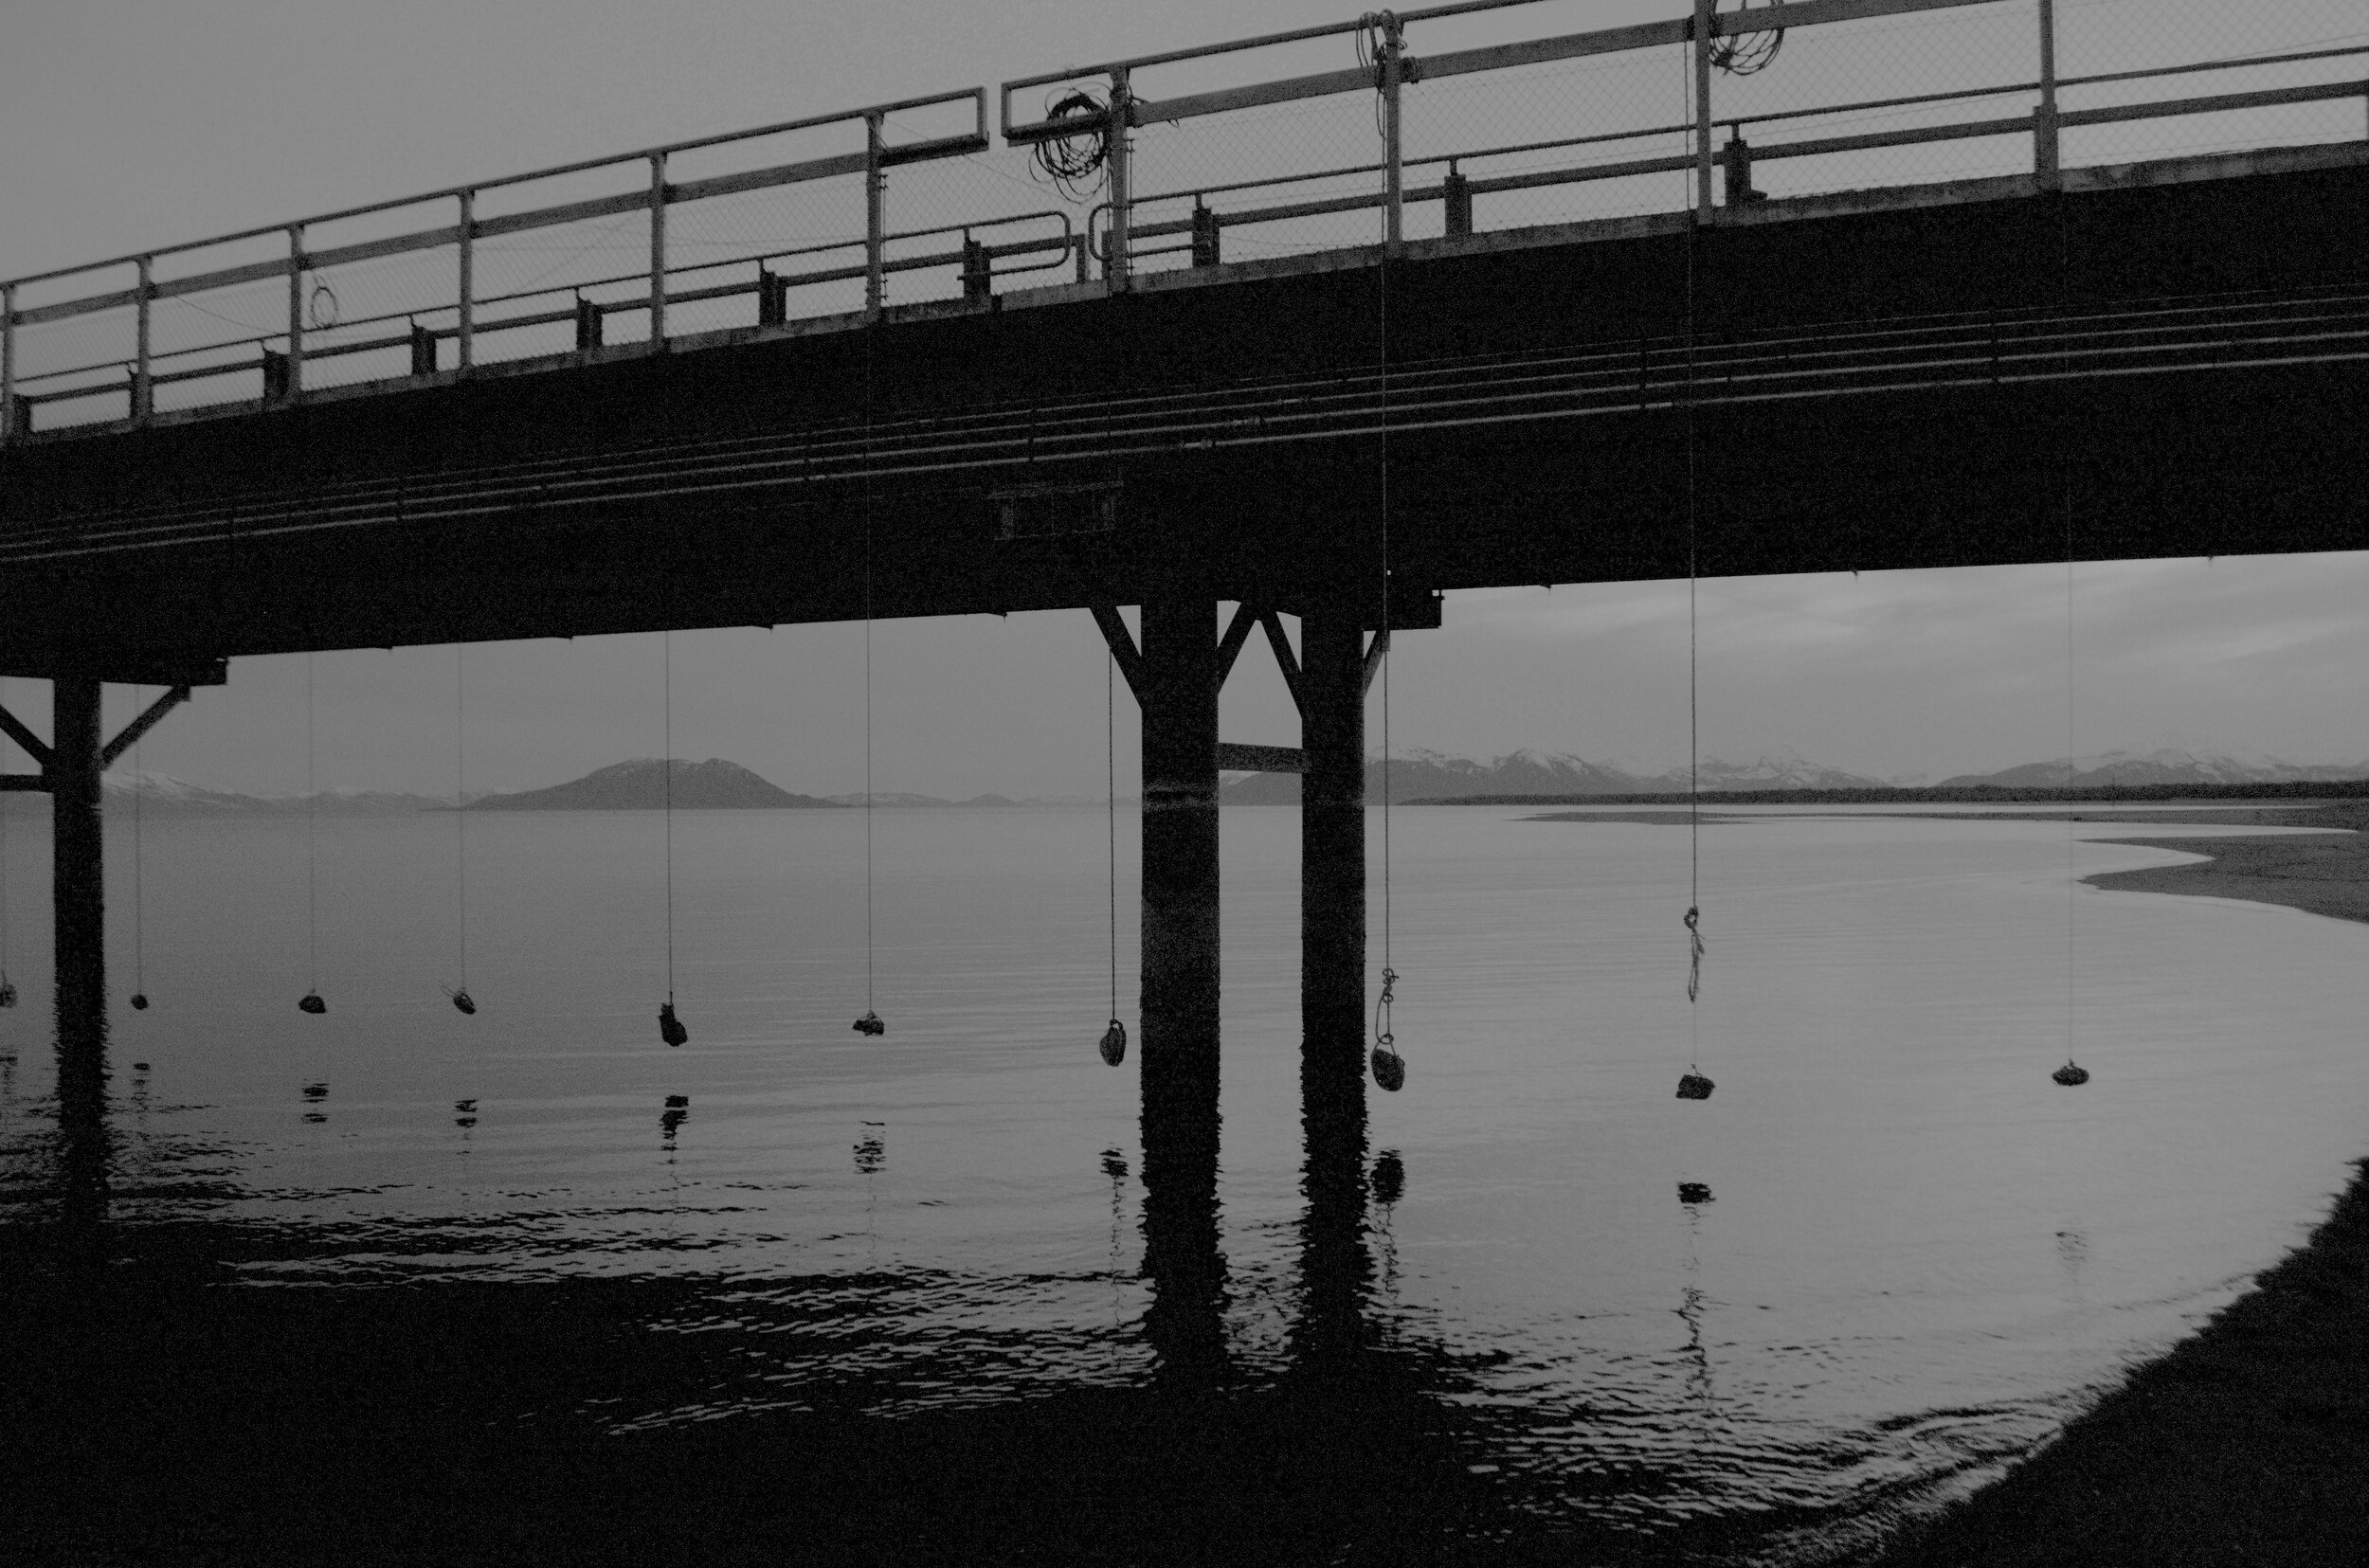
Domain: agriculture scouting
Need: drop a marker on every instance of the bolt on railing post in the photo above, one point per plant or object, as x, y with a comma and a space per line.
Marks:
2044, 149
1115, 259
468, 278
875, 217
142, 404
1703, 110
296, 310
1393, 45
658, 250
7, 361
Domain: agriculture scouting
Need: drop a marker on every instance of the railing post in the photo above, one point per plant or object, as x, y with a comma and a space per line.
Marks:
2044, 150
142, 399
7, 361
1114, 263
658, 250
1703, 17
296, 311
468, 278
1393, 45
875, 218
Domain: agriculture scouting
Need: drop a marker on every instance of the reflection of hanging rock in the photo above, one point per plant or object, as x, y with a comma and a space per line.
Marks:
1694, 1086
1694, 1192
139, 1067
1389, 1179
871, 1154
2070, 1075
1115, 1043
678, 1111
670, 1028
312, 1002
1114, 1165
316, 1092
8, 993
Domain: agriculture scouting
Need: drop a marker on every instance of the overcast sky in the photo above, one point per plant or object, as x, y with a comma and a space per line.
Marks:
128, 125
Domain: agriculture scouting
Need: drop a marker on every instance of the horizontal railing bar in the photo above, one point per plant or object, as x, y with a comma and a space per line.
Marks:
976, 95
1959, 131
2316, 93
34, 315
2063, 83
1353, 78
1538, 51
198, 282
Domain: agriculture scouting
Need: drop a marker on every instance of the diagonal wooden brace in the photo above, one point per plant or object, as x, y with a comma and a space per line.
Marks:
23, 737
1122, 643
1285, 659
1236, 633
141, 726
1374, 651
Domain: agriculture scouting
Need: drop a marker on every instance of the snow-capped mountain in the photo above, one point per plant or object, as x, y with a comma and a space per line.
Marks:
2125, 770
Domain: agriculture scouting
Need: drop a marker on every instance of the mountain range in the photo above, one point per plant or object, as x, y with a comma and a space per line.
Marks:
1428, 775
1417, 775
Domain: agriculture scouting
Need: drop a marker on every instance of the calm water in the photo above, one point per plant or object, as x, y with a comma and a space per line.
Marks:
1920, 1257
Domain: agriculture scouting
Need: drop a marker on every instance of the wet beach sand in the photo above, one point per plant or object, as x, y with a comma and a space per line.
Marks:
2248, 1442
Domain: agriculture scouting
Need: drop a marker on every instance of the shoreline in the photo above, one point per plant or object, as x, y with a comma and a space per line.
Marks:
2248, 1440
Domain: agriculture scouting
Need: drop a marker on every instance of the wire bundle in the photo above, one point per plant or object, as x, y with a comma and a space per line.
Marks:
1074, 162
1742, 54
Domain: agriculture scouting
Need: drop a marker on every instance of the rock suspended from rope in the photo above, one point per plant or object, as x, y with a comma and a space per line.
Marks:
870, 1024
2070, 1075
1389, 1067
1115, 1043
312, 1002
670, 1028
1694, 1086
462, 1000
139, 1002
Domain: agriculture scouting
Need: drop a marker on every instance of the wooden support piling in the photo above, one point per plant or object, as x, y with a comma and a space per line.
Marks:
78, 888
1331, 688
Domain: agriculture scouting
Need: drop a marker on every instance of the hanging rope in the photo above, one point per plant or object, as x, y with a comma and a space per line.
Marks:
1115, 1037
2071, 1076
1692, 1085
670, 1028
311, 1001
139, 843
461, 997
1389, 1067
869, 1023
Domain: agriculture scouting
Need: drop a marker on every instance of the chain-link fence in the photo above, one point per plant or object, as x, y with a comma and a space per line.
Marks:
1482, 122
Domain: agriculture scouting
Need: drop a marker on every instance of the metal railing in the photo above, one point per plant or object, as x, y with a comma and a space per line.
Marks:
1113, 230
1126, 228
283, 371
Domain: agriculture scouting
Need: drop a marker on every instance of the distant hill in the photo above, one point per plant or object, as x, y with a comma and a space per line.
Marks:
162, 795
1428, 775
2130, 771
888, 800
642, 785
